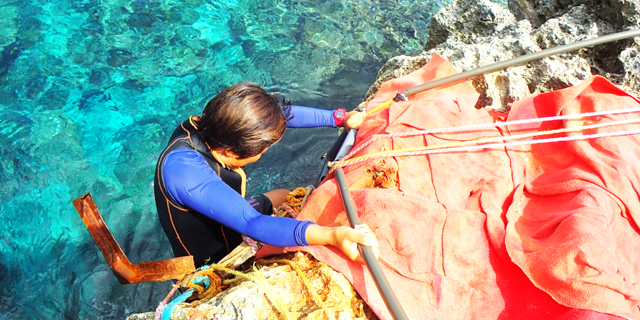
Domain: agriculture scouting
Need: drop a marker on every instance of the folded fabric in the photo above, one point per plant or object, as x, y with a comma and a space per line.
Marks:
544, 232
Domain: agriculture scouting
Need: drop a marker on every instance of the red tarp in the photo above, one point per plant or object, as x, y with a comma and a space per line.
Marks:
538, 232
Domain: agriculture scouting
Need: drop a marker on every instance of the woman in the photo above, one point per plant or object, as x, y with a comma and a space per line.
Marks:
199, 183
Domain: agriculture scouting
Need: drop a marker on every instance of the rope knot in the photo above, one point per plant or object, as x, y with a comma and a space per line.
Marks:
204, 281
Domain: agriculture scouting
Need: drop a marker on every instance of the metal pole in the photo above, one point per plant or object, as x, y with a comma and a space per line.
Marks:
522, 59
374, 267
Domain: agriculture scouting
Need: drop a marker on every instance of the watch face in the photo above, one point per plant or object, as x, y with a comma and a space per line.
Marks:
339, 114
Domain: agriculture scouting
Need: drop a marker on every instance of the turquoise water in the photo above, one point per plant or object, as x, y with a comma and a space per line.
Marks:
90, 91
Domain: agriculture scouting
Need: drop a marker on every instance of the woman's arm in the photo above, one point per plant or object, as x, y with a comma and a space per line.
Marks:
305, 117
191, 182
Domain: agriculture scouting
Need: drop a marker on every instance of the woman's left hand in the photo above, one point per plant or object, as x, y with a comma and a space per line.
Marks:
353, 120
344, 238
347, 240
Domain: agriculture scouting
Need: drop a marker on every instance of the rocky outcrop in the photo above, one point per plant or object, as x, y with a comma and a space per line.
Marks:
619, 13
475, 33
295, 286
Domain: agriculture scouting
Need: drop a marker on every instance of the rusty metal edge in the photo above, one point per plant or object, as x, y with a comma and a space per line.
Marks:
124, 270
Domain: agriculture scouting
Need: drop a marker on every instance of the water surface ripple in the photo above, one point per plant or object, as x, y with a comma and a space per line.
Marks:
90, 91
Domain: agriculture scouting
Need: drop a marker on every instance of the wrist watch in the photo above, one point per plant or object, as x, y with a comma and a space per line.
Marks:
338, 116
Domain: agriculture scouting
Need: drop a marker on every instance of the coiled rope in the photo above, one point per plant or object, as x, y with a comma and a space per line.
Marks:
296, 200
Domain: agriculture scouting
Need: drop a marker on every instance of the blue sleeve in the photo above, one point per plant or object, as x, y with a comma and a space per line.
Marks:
305, 117
190, 181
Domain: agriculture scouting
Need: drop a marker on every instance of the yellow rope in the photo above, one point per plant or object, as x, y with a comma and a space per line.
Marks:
295, 197
276, 300
316, 298
486, 140
380, 107
257, 278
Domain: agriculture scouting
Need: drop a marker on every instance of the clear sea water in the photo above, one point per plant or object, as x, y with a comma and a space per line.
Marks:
91, 90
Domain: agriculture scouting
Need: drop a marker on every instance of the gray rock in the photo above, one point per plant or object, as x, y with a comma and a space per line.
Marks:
620, 13
394, 68
142, 316
472, 34
467, 22
631, 61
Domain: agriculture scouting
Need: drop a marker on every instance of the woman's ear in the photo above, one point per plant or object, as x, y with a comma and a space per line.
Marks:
227, 153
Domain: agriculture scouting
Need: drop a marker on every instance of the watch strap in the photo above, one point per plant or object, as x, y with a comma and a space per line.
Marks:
338, 116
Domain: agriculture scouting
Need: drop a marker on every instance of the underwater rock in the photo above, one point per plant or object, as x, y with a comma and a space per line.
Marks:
8, 24
471, 34
8, 56
118, 57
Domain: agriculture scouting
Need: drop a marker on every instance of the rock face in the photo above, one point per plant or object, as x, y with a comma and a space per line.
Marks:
472, 34
619, 13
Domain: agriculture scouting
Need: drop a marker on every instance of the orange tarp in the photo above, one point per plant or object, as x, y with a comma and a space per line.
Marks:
541, 232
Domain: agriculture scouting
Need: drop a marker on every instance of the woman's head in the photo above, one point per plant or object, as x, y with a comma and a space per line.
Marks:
244, 118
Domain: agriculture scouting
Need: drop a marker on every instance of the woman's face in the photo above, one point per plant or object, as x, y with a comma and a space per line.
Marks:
236, 162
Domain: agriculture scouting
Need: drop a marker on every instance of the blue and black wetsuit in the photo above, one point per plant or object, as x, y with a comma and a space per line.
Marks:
201, 202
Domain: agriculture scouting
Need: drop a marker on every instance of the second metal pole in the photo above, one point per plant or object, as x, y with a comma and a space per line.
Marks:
384, 288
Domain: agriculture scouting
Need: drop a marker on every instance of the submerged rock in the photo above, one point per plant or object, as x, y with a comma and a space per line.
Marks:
8, 56
472, 34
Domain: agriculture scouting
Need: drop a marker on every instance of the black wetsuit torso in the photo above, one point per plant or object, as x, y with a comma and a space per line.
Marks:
189, 232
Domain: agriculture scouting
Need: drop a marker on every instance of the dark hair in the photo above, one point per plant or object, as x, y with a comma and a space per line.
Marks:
244, 118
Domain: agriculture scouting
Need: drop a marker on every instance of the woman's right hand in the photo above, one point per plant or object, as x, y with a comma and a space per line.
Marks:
353, 120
